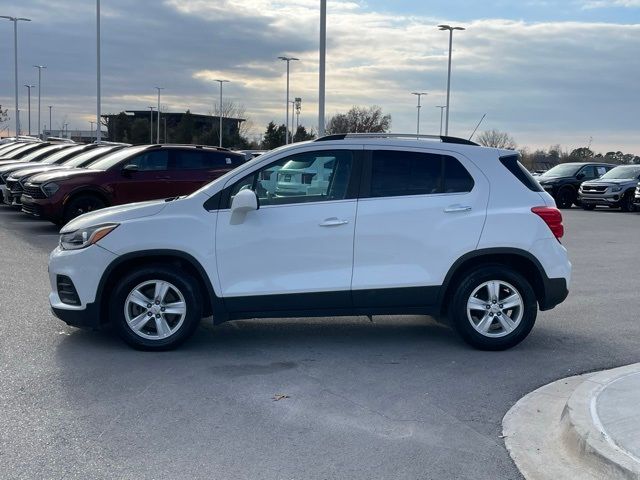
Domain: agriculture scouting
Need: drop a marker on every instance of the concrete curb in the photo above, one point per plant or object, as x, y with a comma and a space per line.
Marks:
555, 432
585, 432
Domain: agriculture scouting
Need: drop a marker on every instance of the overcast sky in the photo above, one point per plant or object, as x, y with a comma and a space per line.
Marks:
546, 71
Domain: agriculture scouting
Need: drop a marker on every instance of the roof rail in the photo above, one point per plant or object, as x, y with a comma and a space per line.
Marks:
442, 138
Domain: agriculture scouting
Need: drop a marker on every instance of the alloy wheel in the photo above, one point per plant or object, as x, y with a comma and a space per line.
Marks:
155, 309
495, 308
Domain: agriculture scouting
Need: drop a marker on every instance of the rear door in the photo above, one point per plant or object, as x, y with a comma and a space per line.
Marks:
192, 168
149, 182
418, 212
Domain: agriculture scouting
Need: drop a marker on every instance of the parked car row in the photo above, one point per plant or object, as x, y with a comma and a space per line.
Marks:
60, 181
589, 184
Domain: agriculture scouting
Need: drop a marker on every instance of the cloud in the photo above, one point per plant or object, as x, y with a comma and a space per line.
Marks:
545, 82
590, 4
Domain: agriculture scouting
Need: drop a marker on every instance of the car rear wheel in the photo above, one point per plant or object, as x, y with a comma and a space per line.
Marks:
627, 203
493, 308
82, 204
565, 198
156, 307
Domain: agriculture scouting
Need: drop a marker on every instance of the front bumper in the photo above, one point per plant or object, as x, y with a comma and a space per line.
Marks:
84, 268
40, 208
599, 199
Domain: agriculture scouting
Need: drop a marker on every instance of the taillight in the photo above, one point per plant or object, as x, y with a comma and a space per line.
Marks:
553, 218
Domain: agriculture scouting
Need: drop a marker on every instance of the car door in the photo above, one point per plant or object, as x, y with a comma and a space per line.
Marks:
295, 251
418, 212
147, 182
192, 168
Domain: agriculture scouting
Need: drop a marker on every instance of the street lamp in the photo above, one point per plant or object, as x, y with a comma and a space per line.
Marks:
288, 60
293, 112
50, 124
419, 95
29, 87
15, 21
158, 133
220, 109
91, 122
98, 88
441, 107
323, 55
450, 29
39, 67
151, 125
65, 130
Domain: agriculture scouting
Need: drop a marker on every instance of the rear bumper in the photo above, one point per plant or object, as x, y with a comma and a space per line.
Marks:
555, 292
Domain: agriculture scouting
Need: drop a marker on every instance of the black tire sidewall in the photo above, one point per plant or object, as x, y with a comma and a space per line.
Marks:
71, 206
627, 204
568, 192
187, 285
468, 283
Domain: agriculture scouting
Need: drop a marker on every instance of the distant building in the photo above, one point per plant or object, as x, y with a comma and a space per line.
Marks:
120, 127
80, 136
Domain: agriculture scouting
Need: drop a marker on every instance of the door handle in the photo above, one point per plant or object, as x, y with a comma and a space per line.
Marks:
333, 222
457, 208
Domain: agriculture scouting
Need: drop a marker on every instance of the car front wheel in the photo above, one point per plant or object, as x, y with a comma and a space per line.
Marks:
565, 198
627, 203
493, 308
156, 307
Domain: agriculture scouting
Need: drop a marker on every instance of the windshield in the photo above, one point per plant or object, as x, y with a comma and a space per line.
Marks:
41, 152
62, 153
563, 170
112, 159
622, 172
83, 158
21, 150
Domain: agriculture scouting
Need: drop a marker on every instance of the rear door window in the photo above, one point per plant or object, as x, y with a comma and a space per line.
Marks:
152, 160
399, 173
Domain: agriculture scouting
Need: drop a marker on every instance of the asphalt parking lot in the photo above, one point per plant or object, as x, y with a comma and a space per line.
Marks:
401, 397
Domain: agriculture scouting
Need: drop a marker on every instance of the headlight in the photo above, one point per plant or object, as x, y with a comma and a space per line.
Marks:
50, 189
85, 236
616, 189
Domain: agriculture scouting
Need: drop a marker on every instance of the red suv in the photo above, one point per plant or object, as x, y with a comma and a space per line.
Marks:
129, 175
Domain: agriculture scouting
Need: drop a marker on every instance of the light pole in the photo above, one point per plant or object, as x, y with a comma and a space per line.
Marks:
220, 109
441, 107
298, 105
98, 89
65, 130
450, 29
29, 87
293, 113
419, 95
91, 135
39, 67
323, 55
288, 60
15, 21
50, 124
158, 133
151, 124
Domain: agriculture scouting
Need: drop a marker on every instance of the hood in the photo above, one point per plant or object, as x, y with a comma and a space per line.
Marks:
8, 162
117, 214
612, 181
543, 179
13, 166
27, 171
59, 175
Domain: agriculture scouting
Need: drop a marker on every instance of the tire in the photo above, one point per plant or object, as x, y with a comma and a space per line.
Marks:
587, 206
82, 204
565, 197
627, 203
149, 326
482, 327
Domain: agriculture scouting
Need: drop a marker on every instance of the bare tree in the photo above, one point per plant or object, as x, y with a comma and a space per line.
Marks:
496, 139
359, 120
230, 109
4, 118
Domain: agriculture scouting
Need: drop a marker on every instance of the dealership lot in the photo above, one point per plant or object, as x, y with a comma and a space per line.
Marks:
396, 398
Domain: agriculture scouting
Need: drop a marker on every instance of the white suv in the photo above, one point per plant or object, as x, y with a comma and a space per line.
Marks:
436, 226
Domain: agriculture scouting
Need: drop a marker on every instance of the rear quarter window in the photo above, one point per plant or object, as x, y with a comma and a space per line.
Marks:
512, 163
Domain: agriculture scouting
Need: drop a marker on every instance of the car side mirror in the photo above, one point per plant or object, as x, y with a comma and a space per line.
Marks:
127, 170
243, 202
580, 176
